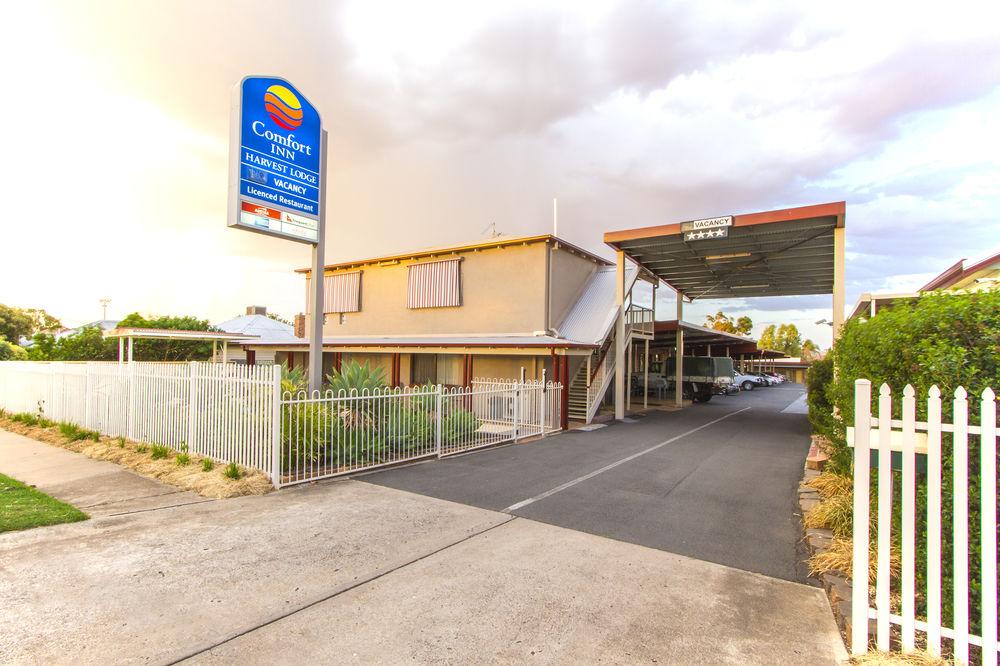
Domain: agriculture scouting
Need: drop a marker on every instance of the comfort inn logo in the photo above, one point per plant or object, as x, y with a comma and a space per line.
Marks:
283, 106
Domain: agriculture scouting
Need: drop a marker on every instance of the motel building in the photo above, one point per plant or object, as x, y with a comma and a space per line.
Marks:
541, 308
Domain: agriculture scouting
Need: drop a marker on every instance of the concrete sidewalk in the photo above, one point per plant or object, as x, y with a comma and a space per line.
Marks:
350, 571
95, 486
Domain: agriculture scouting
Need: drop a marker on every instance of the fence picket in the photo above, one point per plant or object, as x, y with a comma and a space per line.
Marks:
934, 521
908, 527
988, 525
960, 539
884, 518
861, 535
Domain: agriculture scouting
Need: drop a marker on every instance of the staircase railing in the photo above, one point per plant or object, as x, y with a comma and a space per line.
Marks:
601, 379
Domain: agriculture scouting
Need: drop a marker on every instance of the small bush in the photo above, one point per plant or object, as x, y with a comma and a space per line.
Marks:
231, 471
74, 433
141, 448
25, 418
121, 442
158, 451
834, 513
182, 459
207, 465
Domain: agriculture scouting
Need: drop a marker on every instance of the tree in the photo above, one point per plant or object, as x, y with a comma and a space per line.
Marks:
278, 318
169, 350
810, 350
87, 344
11, 352
723, 322
784, 338
14, 324
17, 323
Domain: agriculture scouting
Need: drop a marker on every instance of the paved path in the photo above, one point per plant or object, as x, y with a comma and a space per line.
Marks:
96, 487
716, 482
353, 572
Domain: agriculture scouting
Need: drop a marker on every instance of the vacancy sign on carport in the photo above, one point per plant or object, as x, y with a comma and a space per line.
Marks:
793, 251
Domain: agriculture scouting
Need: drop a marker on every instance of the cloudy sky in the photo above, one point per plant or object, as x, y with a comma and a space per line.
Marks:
448, 116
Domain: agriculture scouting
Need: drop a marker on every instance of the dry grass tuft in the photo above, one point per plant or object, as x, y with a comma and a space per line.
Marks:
919, 658
833, 513
838, 558
188, 477
829, 485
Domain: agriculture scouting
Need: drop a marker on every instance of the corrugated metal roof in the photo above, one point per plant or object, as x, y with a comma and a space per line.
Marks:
592, 316
265, 328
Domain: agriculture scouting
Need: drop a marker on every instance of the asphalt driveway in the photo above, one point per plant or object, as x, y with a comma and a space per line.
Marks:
716, 482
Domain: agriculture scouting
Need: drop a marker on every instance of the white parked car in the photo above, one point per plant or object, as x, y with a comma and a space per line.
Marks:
747, 382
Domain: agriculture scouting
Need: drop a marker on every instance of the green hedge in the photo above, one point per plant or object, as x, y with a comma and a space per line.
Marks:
948, 340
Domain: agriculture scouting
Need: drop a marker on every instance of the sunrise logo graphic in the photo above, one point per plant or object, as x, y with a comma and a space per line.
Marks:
283, 106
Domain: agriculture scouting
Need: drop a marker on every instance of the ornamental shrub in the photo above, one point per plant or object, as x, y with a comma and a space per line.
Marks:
948, 340
12, 352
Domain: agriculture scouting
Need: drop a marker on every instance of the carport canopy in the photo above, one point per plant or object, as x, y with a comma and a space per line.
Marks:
786, 252
775, 253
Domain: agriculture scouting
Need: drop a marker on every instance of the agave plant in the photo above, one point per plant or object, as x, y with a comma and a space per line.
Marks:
292, 380
354, 376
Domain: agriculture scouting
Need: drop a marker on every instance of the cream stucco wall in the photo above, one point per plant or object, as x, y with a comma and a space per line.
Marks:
502, 292
570, 273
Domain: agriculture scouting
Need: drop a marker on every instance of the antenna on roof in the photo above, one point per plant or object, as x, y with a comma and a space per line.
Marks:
555, 217
104, 307
492, 228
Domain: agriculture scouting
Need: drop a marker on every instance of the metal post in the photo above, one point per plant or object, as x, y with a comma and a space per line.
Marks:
679, 354
645, 376
315, 368
276, 442
628, 379
192, 407
620, 338
541, 403
437, 419
86, 397
838, 281
517, 410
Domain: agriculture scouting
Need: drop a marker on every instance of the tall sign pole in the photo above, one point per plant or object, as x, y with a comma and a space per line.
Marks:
316, 287
277, 180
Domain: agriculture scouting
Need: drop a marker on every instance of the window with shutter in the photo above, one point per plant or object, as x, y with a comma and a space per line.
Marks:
341, 293
435, 284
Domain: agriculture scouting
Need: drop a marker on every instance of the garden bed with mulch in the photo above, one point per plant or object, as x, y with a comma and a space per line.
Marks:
185, 471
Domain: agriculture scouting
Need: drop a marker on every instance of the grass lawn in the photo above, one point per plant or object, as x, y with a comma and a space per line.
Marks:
22, 507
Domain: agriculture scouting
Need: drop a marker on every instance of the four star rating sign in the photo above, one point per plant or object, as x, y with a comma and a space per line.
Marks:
709, 233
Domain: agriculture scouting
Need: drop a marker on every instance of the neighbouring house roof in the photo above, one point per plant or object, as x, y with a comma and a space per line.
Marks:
863, 308
173, 334
592, 316
511, 341
261, 327
960, 272
470, 247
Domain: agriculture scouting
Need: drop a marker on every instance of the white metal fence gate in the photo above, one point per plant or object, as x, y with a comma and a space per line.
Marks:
328, 434
935, 450
222, 411
238, 413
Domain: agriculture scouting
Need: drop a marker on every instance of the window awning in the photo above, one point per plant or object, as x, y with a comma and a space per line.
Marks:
774, 253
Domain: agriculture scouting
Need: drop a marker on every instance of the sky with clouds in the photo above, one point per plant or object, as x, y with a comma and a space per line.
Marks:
446, 117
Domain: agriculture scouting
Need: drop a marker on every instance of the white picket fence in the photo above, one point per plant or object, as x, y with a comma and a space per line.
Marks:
326, 434
907, 439
222, 411
239, 413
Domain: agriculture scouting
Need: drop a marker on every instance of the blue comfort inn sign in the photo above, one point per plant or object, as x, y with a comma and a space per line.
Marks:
276, 165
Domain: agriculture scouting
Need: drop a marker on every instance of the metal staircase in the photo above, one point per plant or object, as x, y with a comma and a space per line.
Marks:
591, 381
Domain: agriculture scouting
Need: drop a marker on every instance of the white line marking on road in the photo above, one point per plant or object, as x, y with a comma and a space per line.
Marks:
570, 484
